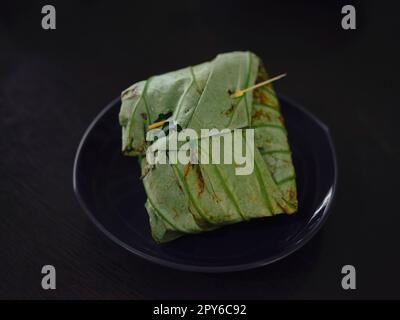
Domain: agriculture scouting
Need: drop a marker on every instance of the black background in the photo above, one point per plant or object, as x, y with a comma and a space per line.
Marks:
53, 83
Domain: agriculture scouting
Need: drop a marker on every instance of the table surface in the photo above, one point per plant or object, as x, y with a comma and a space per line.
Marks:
53, 83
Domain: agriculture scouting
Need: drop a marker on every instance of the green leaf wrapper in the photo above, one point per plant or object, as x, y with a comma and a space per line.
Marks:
194, 198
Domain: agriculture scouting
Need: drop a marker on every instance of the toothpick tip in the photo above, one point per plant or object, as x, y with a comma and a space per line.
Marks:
156, 124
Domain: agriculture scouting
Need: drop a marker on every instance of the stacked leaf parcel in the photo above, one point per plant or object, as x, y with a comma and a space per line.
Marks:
192, 198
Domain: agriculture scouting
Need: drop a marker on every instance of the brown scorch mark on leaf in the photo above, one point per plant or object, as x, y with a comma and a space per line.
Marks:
252, 197
265, 99
187, 169
268, 141
259, 114
200, 180
292, 194
230, 110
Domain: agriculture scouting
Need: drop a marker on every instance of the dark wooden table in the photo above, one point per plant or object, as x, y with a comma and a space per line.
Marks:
53, 83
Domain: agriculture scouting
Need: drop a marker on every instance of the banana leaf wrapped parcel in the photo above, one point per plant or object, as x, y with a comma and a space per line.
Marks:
193, 197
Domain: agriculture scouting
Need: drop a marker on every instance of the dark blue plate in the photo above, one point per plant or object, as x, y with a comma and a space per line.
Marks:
108, 187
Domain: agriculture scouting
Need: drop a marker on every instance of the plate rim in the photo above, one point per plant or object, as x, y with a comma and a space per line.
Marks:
199, 268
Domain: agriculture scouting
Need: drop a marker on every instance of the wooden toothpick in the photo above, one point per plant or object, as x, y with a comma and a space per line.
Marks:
239, 92
156, 124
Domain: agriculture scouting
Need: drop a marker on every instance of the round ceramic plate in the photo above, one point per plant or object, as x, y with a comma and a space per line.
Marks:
108, 187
